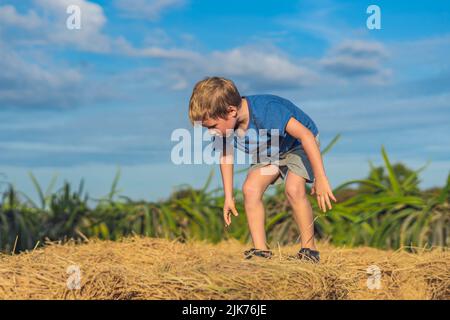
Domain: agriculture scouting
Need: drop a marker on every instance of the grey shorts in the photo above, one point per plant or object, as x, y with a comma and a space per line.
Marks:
295, 160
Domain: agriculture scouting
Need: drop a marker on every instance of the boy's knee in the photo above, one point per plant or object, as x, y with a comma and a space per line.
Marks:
251, 191
295, 192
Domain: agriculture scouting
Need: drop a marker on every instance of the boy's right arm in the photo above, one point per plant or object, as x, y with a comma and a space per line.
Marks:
226, 169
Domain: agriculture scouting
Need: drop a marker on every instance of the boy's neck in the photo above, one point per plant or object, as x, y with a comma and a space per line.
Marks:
242, 121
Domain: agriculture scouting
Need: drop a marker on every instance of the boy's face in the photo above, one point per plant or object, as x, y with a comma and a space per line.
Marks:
219, 127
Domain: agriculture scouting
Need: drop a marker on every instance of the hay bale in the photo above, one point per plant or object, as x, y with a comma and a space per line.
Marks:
152, 268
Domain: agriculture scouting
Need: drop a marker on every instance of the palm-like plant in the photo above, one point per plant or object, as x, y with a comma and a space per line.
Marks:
386, 210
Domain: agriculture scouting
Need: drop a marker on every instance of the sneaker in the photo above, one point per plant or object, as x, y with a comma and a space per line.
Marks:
258, 252
308, 254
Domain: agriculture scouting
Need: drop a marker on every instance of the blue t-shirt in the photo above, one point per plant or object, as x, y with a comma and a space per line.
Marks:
272, 113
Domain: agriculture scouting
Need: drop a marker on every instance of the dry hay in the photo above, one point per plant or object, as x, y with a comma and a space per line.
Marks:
149, 268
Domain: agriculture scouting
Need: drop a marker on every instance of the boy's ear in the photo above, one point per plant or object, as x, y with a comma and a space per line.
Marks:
232, 111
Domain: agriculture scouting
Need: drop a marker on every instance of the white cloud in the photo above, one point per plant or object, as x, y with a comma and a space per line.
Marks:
427, 55
361, 49
157, 37
32, 78
24, 83
319, 19
45, 24
48, 147
266, 67
147, 9
257, 64
254, 67
357, 58
9, 16
126, 48
90, 37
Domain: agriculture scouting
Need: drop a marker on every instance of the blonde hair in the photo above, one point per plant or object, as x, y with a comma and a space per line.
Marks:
211, 98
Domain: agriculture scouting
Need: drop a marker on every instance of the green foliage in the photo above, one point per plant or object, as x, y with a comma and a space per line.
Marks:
385, 210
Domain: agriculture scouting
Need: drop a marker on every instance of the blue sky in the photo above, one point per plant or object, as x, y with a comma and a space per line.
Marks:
80, 103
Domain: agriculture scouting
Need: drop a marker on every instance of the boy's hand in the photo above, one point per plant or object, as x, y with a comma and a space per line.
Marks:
227, 207
322, 189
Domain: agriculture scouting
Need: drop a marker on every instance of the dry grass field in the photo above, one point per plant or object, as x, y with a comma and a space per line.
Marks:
152, 268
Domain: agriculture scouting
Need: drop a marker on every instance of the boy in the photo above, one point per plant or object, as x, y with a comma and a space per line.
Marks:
217, 104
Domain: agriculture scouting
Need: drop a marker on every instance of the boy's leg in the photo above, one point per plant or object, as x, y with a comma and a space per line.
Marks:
302, 210
253, 189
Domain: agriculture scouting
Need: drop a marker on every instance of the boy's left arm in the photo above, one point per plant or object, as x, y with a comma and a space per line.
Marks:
321, 185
